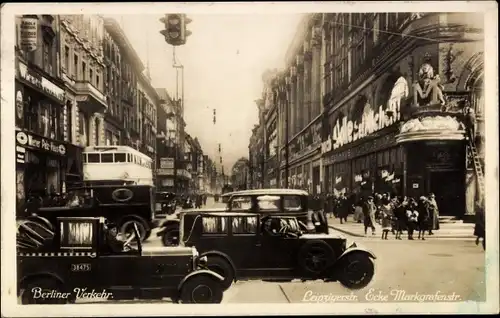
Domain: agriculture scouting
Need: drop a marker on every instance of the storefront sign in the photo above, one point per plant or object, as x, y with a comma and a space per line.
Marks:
165, 172
167, 163
347, 131
29, 34
41, 82
26, 139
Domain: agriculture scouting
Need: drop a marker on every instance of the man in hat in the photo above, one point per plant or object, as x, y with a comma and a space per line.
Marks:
113, 243
369, 210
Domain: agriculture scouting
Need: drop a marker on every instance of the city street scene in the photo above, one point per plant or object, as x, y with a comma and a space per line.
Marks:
306, 158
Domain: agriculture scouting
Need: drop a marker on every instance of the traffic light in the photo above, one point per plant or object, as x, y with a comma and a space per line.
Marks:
219, 148
175, 31
214, 117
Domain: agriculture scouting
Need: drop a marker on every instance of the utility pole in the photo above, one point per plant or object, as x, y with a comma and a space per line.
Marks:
284, 99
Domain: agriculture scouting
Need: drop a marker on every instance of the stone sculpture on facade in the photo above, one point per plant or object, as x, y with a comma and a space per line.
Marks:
427, 90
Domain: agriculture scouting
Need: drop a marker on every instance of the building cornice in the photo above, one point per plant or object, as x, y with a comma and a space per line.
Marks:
119, 36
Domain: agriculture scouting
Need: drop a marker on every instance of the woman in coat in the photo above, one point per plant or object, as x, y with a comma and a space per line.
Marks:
423, 217
433, 213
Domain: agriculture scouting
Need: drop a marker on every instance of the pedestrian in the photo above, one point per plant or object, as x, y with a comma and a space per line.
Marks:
400, 214
423, 217
386, 213
479, 228
369, 210
433, 213
412, 218
343, 207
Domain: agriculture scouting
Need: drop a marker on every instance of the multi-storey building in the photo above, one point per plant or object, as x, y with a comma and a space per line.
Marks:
45, 156
171, 173
239, 174
123, 67
297, 95
82, 68
394, 104
256, 156
148, 102
394, 87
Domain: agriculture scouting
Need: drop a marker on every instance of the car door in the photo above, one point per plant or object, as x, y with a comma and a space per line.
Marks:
277, 251
244, 247
119, 271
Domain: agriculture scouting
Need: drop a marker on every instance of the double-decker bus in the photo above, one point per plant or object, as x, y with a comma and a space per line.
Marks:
115, 165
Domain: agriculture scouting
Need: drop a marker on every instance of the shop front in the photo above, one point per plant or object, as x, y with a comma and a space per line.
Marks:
304, 159
45, 166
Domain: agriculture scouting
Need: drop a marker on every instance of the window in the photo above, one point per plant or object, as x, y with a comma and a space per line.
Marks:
243, 203
97, 82
107, 157
214, 225
84, 71
66, 58
47, 55
244, 225
93, 158
75, 65
267, 202
129, 157
292, 203
91, 76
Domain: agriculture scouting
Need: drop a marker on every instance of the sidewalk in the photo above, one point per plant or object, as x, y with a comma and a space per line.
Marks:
448, 230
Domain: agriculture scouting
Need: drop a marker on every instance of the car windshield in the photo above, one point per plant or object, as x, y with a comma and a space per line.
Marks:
241, 203
268, 202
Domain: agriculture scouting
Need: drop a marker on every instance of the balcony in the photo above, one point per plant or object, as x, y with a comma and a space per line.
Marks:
441, 121
92, 99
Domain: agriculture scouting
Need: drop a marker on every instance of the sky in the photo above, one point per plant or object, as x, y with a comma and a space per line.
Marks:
224, 60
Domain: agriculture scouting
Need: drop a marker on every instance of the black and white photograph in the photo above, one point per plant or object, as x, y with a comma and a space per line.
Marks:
258, 158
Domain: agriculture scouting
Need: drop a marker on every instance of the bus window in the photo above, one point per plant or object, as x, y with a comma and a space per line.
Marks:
84, 158
135, 158
129, 157
93, 158
120, 157
107, 157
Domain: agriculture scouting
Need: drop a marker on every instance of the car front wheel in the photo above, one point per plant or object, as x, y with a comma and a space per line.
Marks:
201, 290
357, 271
222, 267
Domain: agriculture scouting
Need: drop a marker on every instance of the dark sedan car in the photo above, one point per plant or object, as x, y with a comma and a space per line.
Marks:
272, 247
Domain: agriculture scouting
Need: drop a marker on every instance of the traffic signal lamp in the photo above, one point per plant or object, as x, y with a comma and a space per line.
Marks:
175, 31
219, 148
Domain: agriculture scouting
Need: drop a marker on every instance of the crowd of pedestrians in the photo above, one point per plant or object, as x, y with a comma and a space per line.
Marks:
395, 214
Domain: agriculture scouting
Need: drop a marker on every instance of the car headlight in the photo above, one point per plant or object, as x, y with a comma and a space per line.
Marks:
203, 261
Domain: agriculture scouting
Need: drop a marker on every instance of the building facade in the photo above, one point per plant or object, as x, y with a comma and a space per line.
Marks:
148, 102
377, 111
395, 118
256, 157
45, 154
239, 174
123, 68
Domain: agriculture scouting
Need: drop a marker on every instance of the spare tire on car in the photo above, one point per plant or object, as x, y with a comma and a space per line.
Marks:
315, 256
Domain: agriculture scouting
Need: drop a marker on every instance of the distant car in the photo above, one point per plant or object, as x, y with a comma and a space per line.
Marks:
77, 256
242, 246
283, 202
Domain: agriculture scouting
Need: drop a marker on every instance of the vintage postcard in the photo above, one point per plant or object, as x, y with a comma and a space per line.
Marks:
256, 158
